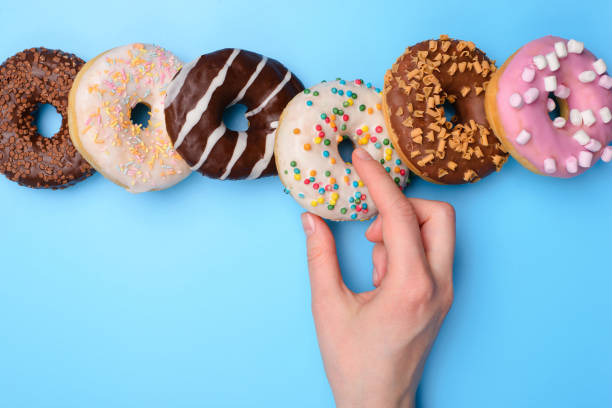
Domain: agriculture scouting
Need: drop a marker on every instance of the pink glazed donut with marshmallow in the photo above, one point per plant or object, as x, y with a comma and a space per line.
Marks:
517, 103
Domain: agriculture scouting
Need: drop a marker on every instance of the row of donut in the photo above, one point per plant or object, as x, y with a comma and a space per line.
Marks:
548, 105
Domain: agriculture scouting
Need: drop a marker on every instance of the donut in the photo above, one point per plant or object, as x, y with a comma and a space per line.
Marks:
31, 77
428, 75
137, 158
523, 91
306, 150
201, 92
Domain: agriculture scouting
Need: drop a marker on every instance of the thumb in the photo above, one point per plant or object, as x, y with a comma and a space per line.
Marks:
325, 278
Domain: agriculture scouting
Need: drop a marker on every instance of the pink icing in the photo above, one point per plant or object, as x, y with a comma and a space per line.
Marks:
547, 141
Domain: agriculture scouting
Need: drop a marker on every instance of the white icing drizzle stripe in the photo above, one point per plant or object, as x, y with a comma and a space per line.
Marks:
261, 165
211, 141
194, 115
177, 84
272, 95
238, 150
254, 76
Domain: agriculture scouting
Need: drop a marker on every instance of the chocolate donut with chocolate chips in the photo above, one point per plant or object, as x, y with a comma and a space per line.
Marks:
203, 89
31, 77
428, 75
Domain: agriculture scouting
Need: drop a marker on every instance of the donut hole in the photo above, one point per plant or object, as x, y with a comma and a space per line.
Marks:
345, 150
140, 115
450, 112
235, 119
46, 119
561, 108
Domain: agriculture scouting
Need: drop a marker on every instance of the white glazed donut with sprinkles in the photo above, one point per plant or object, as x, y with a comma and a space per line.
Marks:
306, 150
104, 93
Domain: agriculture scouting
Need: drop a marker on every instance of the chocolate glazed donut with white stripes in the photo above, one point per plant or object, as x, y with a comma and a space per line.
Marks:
204, 88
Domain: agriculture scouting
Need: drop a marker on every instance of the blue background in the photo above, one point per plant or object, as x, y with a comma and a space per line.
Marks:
199, 295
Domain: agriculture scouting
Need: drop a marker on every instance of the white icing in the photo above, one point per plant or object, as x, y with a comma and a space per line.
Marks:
290, 147
194, 115
211, 141
272, 95
262, 163
139, 159
252, 78
177, 83
238, 150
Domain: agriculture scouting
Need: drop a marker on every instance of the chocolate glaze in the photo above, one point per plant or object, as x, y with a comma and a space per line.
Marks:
261, 124
434, 65
34, 76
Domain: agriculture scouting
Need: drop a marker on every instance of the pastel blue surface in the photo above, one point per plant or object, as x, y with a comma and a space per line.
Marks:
199, 295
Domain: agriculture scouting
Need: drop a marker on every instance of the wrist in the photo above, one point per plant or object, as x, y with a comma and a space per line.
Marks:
376, 401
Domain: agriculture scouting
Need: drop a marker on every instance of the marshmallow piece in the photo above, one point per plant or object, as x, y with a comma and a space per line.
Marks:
600, 66
550, 165
516, 101
559, 122
585, 159
561, 49
575, 117
588, 118
531, 95
605, 114
550, 105
593, 146
571, 164
553, 62
540, 62
523, 137
587, 76
575, 47
562, 91
606, 156
581, 137
550, 83
528, 75
605, 81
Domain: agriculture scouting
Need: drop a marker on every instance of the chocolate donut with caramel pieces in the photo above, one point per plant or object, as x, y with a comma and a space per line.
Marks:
200, 93
428, 75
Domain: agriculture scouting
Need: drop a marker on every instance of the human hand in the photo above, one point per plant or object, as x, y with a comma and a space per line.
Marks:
374, 344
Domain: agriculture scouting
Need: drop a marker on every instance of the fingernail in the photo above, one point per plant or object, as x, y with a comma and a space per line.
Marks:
362, 154
307, 224
375, 277
369, 227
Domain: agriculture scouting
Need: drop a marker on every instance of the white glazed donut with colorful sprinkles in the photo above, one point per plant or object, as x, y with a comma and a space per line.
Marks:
518, 101
138, 158
306, 148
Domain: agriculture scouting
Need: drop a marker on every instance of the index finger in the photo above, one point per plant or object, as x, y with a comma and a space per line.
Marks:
401, 232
